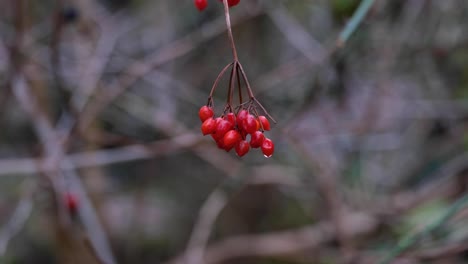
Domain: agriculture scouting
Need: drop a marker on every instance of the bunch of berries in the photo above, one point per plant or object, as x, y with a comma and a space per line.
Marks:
240, 127
231, 131
202, 4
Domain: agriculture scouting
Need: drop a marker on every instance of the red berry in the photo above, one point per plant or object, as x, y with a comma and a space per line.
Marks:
231, 138
205, 113
265, 123
242, 147
231, 118
231, 2
220, 143
258, 124
222, 128
209, 126
256, 139
241, 116
250, 124
268, 147
201, 4
71, 201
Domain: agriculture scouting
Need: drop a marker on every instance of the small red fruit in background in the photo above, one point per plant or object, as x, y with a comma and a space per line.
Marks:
232, 2
201, 4
242, 147
71, 202
268, 147
205, 112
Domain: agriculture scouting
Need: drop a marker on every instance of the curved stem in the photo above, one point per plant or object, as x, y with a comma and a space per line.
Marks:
215, 84
231, 83
264, 110
239, 88
251, 95
228, 24
247, 84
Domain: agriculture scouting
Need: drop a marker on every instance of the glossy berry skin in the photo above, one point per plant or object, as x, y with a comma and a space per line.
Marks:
232, 2
242, 147
231, 138
201, 4
268, 147
265, 123
256, 139
222, 128
250, 124
209, 126
231, 118
71, 202
205, 112
241, 116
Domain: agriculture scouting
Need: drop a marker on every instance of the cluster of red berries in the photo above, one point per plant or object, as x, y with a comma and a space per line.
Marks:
230, 131
202, 4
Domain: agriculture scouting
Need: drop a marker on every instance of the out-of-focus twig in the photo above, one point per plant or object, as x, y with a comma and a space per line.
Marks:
18, 219
202, 229
298, 36
354, 22
276, 244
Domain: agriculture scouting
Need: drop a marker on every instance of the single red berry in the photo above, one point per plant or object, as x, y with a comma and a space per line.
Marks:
256, 139
201, 4
241, 117
205, 113
231, 138
242, 147
250, 124
222, 128
265, 123
209, 126
268, 147
220, 143
231, 118
232, 2
217, 136
71, 201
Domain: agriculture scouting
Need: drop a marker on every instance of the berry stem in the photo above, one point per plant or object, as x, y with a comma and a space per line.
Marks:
231, 83
247, 84
228, 24
251, 95
239, 85
215, 84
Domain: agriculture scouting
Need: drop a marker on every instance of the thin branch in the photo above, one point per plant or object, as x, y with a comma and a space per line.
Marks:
228, 25
220, 75
18, 219
354, 22
201, 232
281, 243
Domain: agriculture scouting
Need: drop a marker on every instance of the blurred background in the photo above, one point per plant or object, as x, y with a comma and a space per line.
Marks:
102, 159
